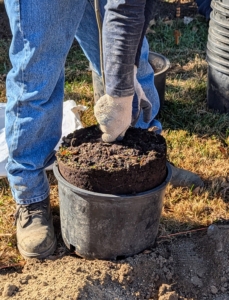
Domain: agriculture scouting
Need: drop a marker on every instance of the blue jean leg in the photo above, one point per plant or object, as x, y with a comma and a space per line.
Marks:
43, 32
87, 34
145, 76
88, 38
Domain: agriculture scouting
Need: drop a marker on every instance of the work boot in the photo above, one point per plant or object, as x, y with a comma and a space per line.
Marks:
184, 178
35, 231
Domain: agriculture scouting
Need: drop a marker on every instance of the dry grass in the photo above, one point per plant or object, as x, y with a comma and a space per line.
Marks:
197, 140
82, 93
8, 252
2, 93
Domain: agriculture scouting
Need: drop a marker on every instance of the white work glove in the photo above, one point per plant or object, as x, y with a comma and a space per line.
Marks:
114, 116
143, 103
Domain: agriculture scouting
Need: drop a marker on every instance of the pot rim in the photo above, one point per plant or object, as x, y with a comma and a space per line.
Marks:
83, 192
166, 60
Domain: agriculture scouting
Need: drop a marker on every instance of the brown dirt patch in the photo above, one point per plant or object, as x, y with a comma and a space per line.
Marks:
191, 267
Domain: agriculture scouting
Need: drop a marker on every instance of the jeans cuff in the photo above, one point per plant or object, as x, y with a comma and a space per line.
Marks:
33, 200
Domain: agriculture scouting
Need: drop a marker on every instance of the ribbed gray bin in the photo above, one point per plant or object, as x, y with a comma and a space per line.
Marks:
218, 28
223, 3
218, 57
105, 226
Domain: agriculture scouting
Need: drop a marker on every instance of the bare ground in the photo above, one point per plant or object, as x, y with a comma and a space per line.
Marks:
194, 266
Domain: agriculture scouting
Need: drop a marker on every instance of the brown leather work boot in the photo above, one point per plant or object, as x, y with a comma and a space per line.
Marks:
184, 178
35, 231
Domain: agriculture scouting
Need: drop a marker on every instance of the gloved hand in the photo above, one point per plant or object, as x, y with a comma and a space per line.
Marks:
143, 103
114, 116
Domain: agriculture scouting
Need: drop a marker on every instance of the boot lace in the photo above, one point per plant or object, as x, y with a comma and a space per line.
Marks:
30, 210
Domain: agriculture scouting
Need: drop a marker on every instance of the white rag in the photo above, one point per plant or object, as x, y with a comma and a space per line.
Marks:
71, 122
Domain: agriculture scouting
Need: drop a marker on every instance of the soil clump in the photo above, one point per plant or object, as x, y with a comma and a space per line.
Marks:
136, 164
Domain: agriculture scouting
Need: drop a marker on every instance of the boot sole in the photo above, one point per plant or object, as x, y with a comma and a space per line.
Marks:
42, 255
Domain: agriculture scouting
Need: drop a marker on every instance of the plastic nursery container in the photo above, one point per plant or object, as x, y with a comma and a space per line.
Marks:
218, 89
106, 226
160, 64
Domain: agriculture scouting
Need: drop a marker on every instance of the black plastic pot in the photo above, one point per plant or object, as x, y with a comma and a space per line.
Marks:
108, 226
160, 64
218, 89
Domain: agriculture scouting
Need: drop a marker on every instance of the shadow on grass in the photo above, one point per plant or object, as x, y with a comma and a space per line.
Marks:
193, 116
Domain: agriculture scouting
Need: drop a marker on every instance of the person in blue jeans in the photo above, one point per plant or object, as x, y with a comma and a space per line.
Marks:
204, 8
42, 34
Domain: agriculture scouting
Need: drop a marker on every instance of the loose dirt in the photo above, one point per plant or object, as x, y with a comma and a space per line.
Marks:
194, 266
88, 163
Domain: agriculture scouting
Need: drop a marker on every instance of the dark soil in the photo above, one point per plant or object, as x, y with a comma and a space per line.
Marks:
136, 164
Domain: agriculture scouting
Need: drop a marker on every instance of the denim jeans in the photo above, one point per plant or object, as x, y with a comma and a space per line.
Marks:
43, 32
